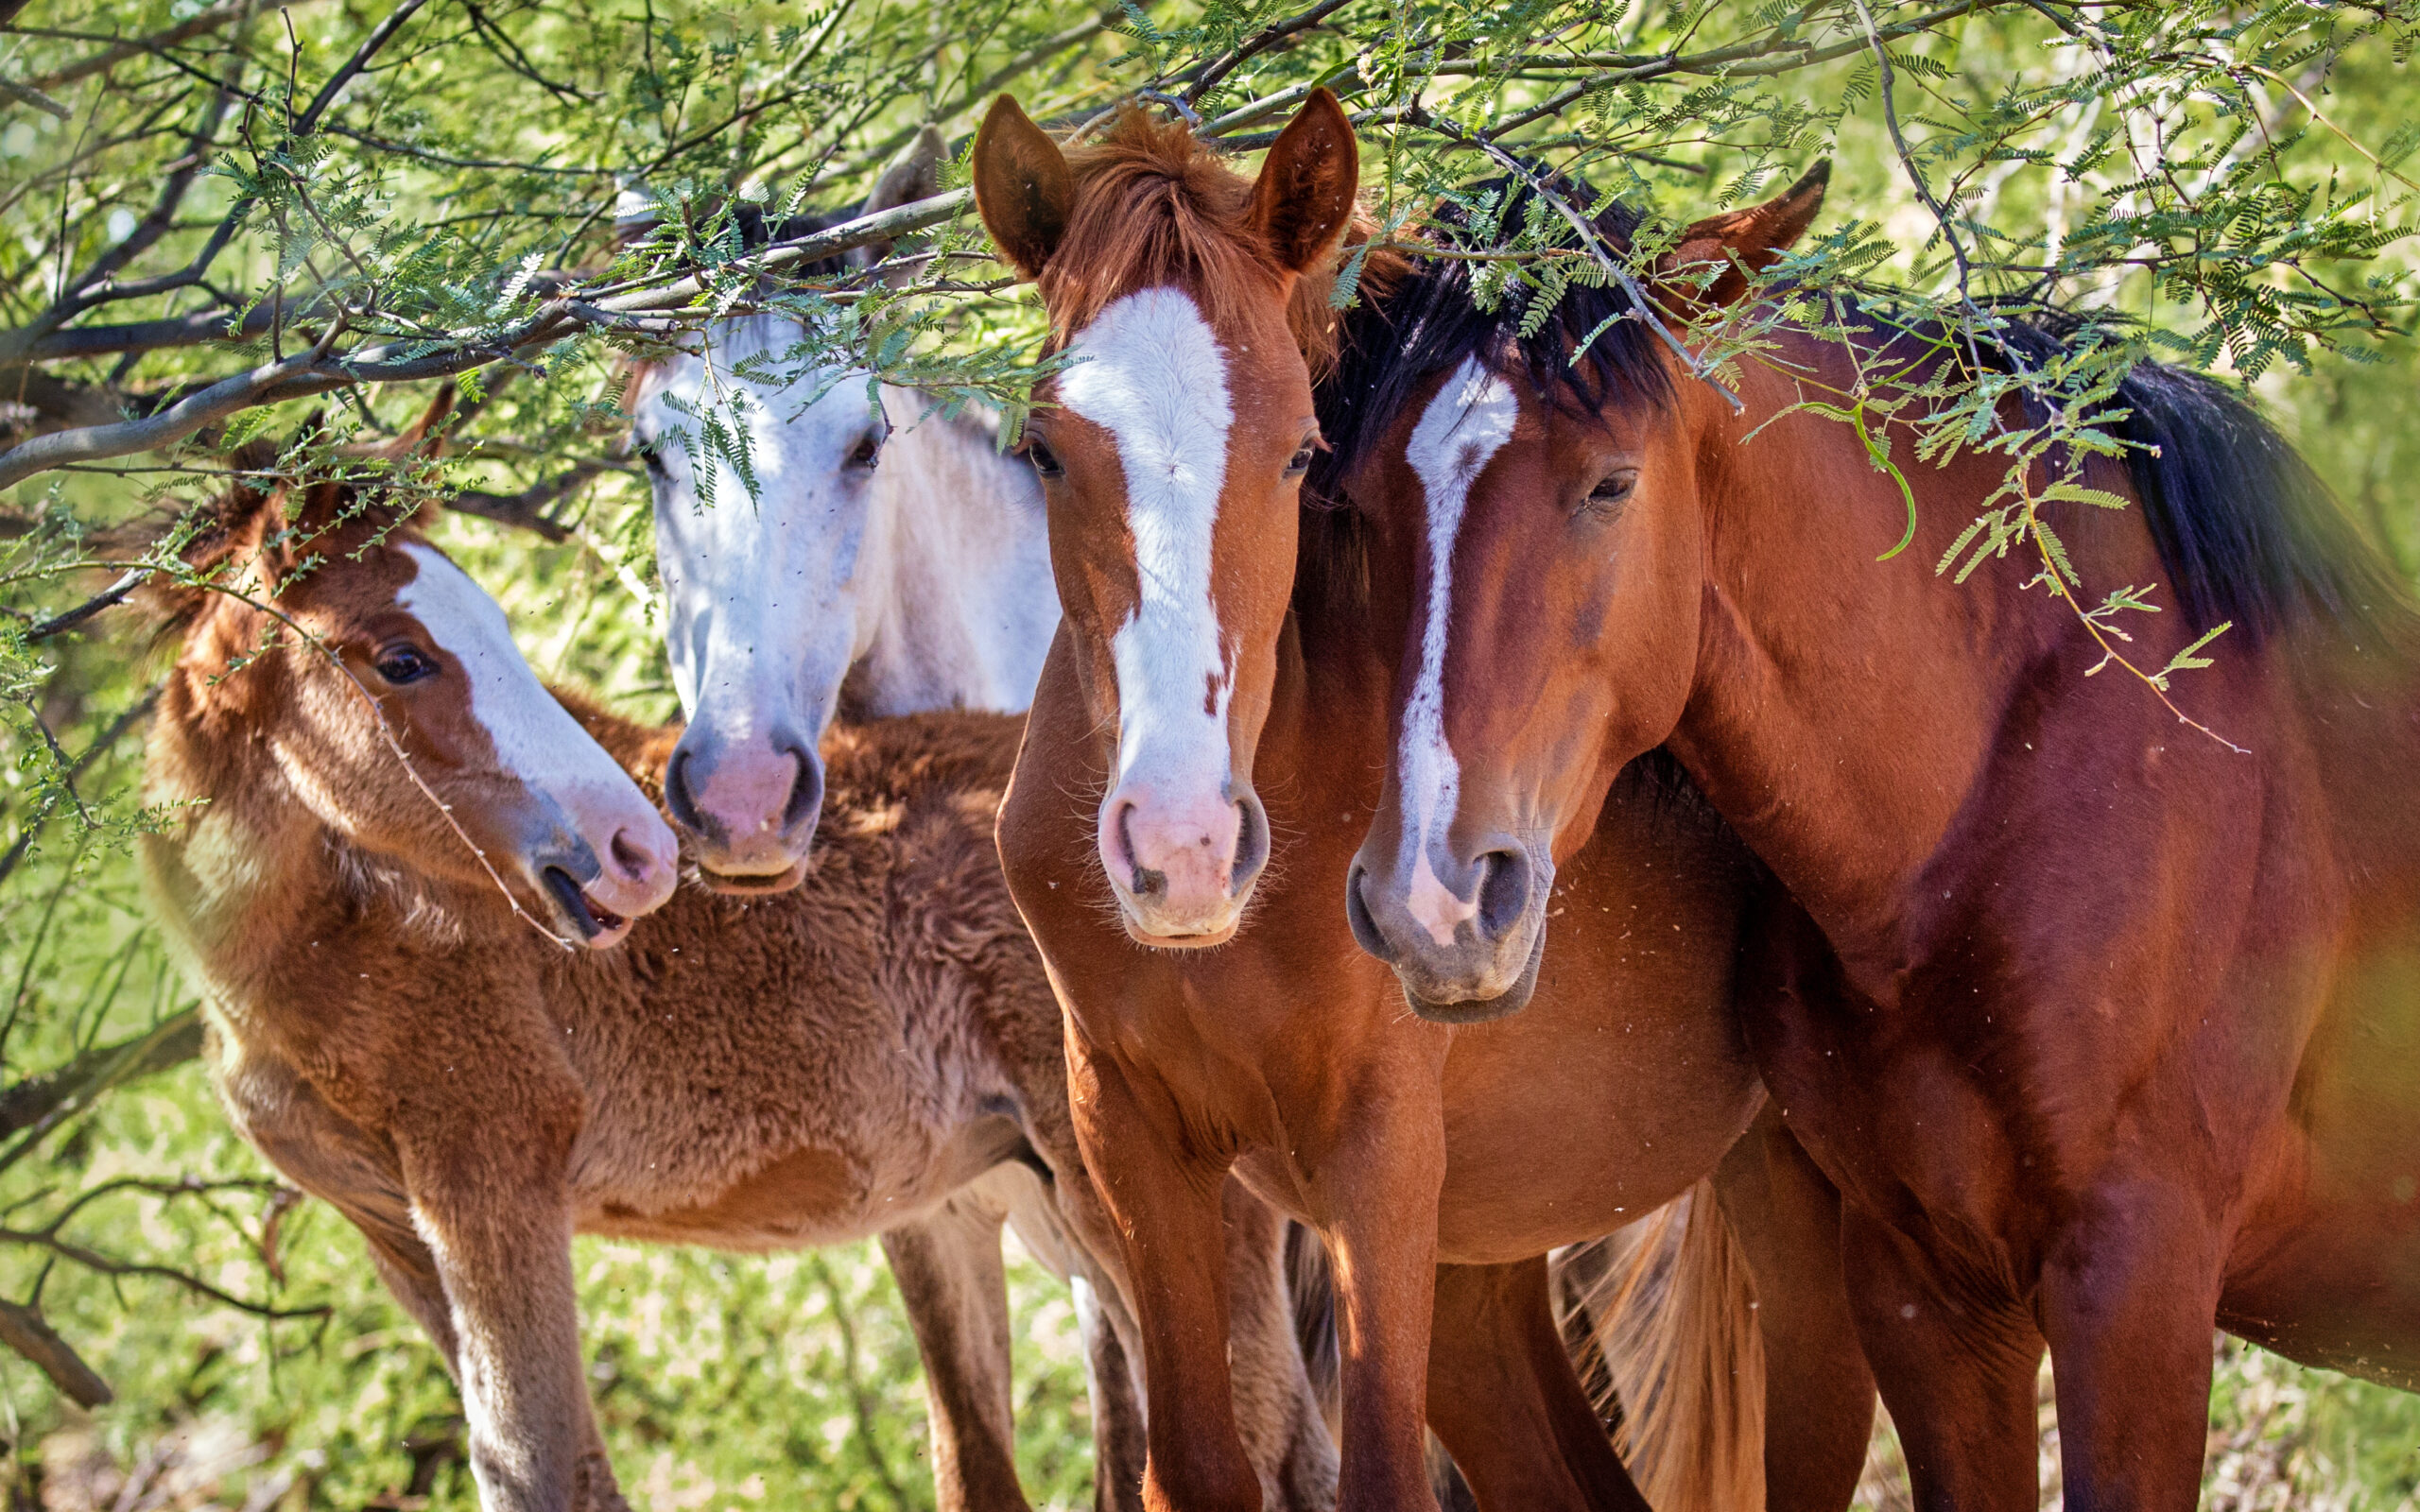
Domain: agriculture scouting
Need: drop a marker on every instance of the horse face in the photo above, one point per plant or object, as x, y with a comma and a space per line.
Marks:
1555, 569
1172, 465
767, 596
1171, 453
479, 734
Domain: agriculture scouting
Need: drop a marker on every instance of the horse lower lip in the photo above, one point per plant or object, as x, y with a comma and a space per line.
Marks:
574, 905
745, 886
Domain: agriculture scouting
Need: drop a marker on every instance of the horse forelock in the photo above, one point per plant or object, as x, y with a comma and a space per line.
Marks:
1156, 205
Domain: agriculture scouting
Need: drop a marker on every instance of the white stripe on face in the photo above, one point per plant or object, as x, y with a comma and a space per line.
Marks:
1468, 422
1153, 377
536, 739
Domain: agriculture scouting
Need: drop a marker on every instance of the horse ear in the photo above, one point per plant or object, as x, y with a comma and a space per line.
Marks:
914, 174
1303, 198
1022, 186
426, 434
1753, 239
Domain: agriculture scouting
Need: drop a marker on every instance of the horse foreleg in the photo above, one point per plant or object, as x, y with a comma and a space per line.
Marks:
1164, 1198
1383, 1181
2129, 1296
497, 1223
950, 1276
1060, 1220
1504, 1401
1819, 1392
1957, 1377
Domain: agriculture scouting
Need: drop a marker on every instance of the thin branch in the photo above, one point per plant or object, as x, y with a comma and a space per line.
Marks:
526, 510
25, 1330
16, 851
1207, 76
379, 36
41, 1099
195, 26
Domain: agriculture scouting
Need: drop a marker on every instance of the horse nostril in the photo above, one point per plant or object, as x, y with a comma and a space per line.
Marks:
1356, 914
634, 859
806, 792
1144, 880
676, 791
1252, 844
1503, 892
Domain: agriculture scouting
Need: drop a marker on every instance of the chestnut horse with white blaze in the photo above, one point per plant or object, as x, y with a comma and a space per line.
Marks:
1203, 755
874, 1052
2095, 1021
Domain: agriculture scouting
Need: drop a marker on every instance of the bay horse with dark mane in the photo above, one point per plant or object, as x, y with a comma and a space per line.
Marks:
1202, 757
874, 1052
2097, 1022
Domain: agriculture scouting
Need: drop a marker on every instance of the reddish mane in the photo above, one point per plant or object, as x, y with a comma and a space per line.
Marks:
1156, 205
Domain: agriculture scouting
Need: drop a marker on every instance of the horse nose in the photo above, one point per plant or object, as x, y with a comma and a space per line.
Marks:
751, 806
1463, 940
1183, 867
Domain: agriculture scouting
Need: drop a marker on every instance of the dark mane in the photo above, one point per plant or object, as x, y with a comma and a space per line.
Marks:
2247, 532
1430, 321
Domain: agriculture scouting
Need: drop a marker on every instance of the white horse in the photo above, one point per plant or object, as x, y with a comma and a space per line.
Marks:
885, 544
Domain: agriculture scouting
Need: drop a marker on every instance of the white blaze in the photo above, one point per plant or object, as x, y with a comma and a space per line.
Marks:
1468, 422
536, 739
1152, 376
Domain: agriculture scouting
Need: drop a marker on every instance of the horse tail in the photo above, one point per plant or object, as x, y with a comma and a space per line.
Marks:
1311, 1287
1666, 1307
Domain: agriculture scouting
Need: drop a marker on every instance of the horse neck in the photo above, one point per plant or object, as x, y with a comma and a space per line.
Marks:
967, 604
1850, 716
242, 866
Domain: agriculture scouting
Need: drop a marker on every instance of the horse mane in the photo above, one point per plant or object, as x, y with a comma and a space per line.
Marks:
1421, 316
1591, 348
246, 521
2247, 532
1154, 204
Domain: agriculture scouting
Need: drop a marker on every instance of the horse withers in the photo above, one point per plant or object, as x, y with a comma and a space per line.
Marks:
1203, 755
2091, 1014
876, 1052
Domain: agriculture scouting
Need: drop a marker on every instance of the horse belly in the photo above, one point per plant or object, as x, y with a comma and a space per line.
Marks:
1610, 1094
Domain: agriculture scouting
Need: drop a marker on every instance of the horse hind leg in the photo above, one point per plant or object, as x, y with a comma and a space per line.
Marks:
1504, 1401
951, 1279
1112, 1383
1819, 1392
1277, 1408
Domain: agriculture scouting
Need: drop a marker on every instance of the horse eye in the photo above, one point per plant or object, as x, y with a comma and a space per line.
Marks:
400, 664
1045, 460
1300, 463
869, 451
1612, 489
654, 461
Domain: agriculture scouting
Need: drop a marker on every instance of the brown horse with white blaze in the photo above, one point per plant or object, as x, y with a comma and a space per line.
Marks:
2095, 1021
1203, 748
354, 740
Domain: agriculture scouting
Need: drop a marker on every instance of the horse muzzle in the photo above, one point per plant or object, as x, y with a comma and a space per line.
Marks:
748, 810
1464, 940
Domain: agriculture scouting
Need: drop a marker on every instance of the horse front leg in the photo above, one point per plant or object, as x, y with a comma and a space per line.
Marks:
2129, 1297
956, 1292
1956, 1368
1383, 1182
496, 1221
1506, 1403
1164, 1196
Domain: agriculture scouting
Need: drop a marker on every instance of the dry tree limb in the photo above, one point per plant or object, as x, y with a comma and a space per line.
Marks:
165, 1046
25, 1330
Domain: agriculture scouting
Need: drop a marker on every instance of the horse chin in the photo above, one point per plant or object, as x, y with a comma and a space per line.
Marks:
1479, 1010
763, 885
